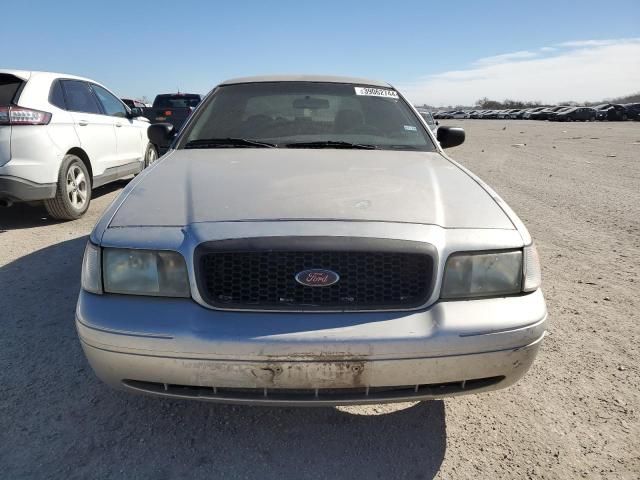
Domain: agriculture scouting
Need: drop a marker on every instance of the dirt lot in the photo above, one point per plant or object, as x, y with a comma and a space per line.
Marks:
575, 415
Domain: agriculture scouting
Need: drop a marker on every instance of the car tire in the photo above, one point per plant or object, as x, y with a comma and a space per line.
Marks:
73, 192
150, 155
592, 119
624, 117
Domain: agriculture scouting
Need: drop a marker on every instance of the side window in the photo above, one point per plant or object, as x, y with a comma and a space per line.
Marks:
79, 97
56, 97
111, 104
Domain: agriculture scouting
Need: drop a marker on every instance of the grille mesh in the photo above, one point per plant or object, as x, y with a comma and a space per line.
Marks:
369, 280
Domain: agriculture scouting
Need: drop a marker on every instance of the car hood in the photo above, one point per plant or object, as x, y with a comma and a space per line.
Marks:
253, 184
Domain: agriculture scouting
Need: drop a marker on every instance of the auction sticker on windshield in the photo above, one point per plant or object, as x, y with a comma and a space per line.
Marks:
376, 92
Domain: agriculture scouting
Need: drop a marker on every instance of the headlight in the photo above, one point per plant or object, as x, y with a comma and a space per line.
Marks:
472, 275
91, 279
145, 272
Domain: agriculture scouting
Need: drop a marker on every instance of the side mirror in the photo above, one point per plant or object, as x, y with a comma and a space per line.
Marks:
437, 122
161, 134
135, 112
450, 136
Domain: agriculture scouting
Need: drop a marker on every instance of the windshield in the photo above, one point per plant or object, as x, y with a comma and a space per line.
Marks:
313, 114
176, 101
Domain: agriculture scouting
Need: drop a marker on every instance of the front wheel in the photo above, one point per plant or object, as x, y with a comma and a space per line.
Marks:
73, 192
150, 155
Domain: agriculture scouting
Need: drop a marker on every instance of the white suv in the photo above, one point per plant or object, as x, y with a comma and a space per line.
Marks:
61, 136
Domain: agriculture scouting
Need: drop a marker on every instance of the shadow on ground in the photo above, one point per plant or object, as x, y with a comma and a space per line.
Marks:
58, 421
22, 215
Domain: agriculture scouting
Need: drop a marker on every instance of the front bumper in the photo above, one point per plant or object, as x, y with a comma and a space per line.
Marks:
176, 348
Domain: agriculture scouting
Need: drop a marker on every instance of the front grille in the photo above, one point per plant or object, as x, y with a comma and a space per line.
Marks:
260, 273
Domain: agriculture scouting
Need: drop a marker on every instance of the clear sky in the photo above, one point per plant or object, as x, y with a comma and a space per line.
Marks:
438, 52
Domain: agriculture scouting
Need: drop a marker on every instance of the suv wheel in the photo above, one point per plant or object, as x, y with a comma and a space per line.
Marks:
73, 193
150, 156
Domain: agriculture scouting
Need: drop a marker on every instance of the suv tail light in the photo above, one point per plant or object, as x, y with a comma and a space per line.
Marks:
14, 115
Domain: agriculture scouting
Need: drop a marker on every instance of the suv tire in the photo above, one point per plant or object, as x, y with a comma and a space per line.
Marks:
150, 155
73, 193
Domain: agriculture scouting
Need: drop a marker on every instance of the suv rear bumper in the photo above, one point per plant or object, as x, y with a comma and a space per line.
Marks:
21, 190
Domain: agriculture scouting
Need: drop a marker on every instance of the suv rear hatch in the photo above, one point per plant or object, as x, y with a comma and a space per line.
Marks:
173, 108
10, 86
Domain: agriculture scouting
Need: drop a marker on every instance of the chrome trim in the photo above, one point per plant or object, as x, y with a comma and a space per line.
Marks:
127, 333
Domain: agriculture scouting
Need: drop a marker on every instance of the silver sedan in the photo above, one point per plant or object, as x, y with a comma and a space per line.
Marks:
306, 241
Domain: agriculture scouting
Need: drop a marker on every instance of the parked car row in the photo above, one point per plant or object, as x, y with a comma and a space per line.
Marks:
606, 111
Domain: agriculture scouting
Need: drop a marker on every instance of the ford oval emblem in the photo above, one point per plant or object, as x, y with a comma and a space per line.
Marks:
317, 277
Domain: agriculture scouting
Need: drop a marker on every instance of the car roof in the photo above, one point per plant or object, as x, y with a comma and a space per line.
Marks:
305, 78
27, 74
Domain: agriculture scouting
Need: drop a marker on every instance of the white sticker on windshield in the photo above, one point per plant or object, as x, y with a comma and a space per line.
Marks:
376, 92
411, 128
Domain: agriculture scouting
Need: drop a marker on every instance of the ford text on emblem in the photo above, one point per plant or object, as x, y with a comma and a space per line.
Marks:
317, 278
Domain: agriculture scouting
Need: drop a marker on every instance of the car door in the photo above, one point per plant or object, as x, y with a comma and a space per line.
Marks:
96, 131
129, 137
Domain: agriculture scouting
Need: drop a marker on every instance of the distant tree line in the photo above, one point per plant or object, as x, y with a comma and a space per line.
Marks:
488, 104
633, 98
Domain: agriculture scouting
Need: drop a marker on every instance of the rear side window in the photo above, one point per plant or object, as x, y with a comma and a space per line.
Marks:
9, 87
56, 97
79, 97
111, 105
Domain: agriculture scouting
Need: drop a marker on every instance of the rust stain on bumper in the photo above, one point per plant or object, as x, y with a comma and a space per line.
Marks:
302, 374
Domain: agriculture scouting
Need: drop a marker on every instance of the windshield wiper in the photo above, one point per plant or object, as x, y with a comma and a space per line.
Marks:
227, 142
403, 147
330, 144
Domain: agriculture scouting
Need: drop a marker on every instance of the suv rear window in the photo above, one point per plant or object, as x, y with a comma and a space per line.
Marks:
9, 86
176, 101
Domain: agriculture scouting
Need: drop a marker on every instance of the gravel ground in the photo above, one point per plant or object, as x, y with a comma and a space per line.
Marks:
575, 415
